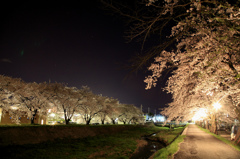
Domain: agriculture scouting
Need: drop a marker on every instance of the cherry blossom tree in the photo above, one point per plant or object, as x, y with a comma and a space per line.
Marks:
91, 105
205, 63
33, 100
18, 99
8, 101
8, 87
67, 99
203, 66
129, 113
22, 99
206, 56
109, 105
114, 112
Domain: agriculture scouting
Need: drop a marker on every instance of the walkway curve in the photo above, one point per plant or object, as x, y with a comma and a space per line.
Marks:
200, 145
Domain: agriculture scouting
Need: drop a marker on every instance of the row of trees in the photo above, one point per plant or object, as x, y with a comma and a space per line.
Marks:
205, 64
19, 98
200, 55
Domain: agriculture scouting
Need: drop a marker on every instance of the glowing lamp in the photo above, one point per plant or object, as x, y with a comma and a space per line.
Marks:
217, 105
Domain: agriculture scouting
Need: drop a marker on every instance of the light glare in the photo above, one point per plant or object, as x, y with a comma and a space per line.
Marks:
52, 115
200, 114
217, 105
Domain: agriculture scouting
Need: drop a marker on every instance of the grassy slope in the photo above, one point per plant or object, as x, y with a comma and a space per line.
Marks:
173, 138
169, 136
118, 145
171, 149
33, 134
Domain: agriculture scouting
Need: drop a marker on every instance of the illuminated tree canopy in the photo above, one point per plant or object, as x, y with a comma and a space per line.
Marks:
205, 63
18, 98
196, 44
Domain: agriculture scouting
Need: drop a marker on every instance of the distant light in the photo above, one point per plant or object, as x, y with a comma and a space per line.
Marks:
160, 118
200, 114
52, 115
217, 105
14, 107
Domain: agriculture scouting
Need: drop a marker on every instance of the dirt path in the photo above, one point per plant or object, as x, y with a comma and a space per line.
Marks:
200, 145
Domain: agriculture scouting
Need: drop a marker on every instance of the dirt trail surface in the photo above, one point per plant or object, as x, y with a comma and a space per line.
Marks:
201, 145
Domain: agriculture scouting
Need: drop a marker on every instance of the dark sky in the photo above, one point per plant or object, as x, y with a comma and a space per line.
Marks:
74, 43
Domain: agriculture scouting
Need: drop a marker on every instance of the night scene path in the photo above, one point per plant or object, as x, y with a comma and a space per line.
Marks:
200, 145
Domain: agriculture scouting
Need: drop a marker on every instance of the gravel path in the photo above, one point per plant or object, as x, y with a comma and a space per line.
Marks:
201, 145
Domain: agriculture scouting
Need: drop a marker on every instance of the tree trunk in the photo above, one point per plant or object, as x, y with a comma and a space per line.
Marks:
65, 116
201, 123
102, 122
214, 124
237, 138
207, 125
33, 117
88, 122
113, 121
67, 121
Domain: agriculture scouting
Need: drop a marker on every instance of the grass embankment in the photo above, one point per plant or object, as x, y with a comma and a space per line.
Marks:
111, 145
34, 134
172, 139
221, 138
168, 136
117, 145
168, 151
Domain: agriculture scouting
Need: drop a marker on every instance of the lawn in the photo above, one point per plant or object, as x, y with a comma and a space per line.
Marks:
171, 149
168, 136
118, 145
172, 138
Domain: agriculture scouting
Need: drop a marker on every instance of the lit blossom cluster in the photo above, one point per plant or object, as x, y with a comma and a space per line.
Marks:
18, 99
205, 64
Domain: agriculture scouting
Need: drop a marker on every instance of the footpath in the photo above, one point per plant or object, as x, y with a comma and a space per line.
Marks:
200, 145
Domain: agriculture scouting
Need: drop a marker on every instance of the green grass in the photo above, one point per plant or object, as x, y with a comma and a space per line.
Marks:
171, 149
221, 138
118, 145
114, 146
172, 138
169, 136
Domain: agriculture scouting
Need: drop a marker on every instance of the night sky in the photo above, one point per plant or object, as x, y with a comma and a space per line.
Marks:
75, 43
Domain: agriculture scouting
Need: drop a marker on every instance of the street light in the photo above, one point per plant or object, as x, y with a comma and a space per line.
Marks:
217, 105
